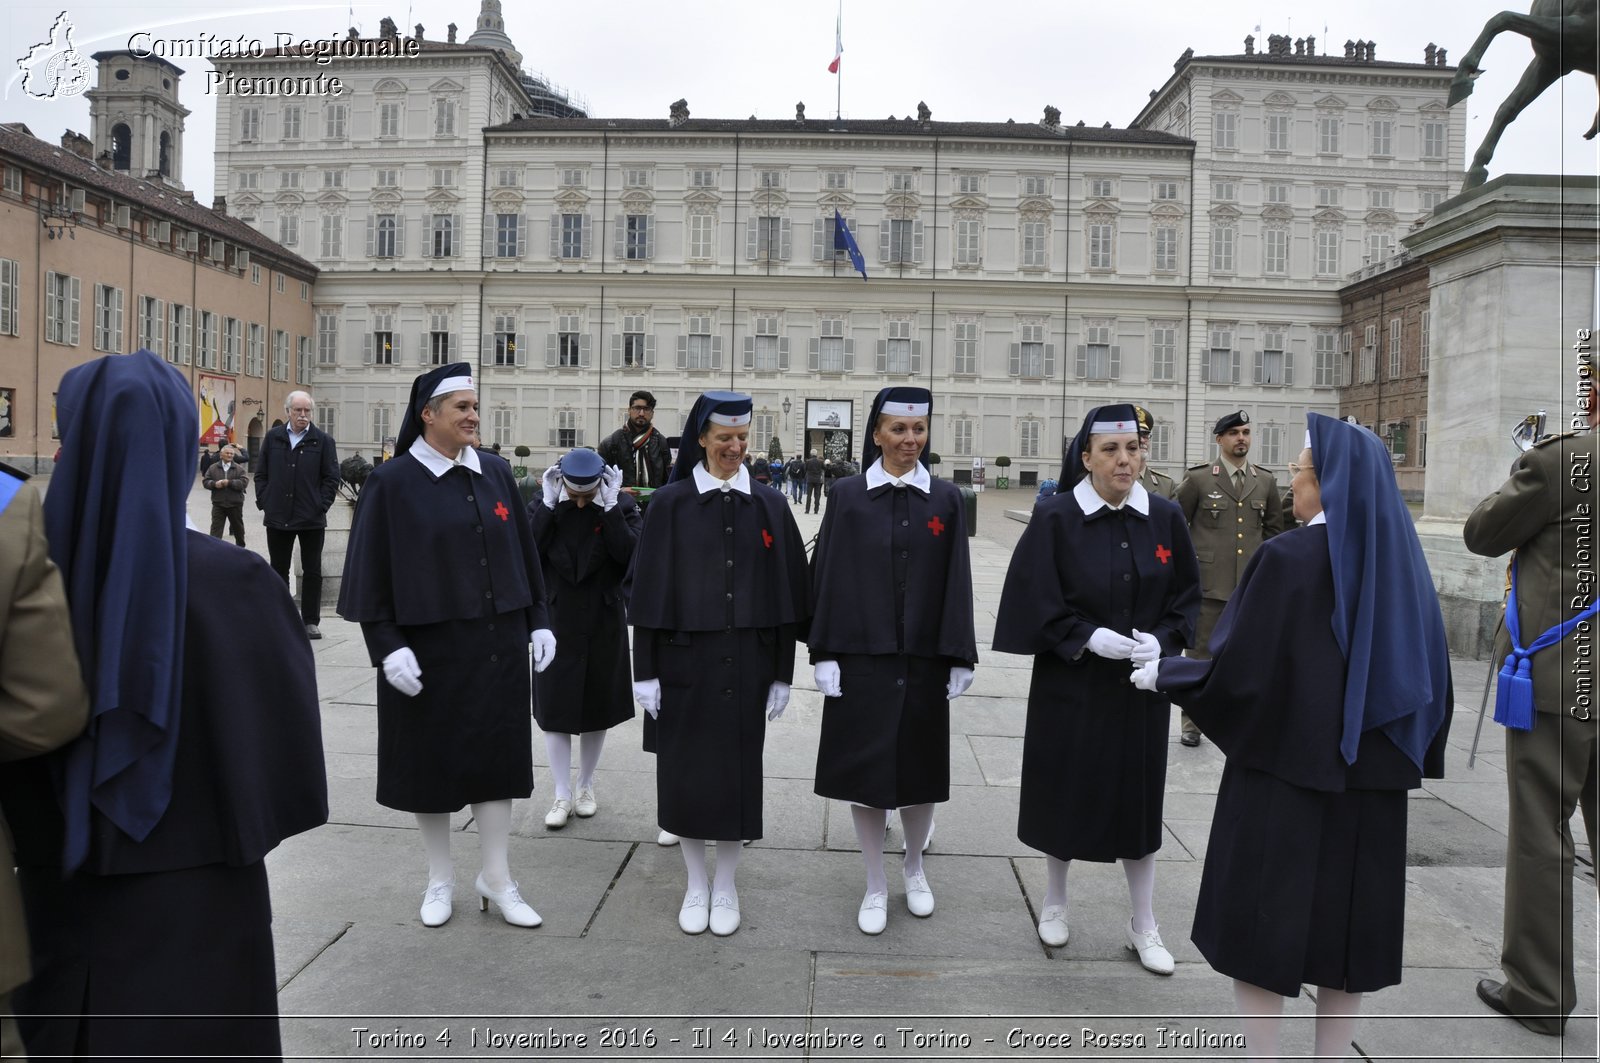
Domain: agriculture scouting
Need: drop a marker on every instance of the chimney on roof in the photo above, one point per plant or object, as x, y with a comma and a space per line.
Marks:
1372, 51
678, 113
1188, 54
103, 160
451, 30
1052, 117
1311, 46
1429, 53
1442, 61
220, 204
1349, 49
78, 144
1300, 46
800, 113
1249, 44
419, 31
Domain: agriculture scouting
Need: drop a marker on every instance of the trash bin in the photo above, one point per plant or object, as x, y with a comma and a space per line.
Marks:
969, 503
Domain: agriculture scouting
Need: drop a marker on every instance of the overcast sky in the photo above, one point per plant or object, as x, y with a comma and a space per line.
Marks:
969, 61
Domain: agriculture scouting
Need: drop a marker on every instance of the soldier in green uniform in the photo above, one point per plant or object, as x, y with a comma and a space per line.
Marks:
1157, 483
1232, 506
1546, 513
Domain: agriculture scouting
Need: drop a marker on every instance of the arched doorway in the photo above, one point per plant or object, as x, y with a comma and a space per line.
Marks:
121, 146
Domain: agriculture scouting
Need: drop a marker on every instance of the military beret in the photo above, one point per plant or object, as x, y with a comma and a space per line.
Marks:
1146, 420
1231, 420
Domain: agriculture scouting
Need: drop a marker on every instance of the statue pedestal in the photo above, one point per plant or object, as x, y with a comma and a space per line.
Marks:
1512, 278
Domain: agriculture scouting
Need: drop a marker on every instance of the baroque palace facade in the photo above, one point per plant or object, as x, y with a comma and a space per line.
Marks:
1024, 271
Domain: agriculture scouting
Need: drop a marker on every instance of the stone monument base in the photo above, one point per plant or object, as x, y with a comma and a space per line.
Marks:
1471, 588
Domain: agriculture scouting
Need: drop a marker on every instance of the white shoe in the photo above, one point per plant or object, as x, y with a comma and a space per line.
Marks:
585, 806
436, 907
1053, 925
666, 837
513, 909
694, 916
1152, 953
874, 913
919, 898
556, 818
724, 914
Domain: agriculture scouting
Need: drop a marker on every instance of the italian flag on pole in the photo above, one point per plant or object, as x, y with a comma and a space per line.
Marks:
838, 46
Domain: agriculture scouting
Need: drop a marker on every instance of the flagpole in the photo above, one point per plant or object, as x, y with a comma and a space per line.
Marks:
838, 76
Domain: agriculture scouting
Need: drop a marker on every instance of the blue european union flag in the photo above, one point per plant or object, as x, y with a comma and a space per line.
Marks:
844, 240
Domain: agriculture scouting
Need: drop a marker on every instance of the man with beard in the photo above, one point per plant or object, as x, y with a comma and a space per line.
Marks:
637, 448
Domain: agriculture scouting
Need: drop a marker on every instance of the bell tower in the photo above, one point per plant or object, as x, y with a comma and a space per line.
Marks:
135, 119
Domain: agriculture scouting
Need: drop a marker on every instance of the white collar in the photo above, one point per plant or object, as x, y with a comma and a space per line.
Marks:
438, 464
704, 481
1320, 518
1090, 502
918, 477
1227, 463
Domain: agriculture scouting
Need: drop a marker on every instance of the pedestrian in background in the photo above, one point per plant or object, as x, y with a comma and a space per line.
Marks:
226, 479
297, 479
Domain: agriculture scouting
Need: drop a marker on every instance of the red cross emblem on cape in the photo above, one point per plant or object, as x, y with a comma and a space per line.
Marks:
936, 525
1162, 553
501, 511
766, 538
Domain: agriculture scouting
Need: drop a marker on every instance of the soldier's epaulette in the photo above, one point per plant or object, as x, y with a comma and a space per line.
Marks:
12, 470
1555, 436
1263, 468
1202, 465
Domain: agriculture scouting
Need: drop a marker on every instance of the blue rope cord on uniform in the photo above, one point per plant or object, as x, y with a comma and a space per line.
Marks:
1513, 701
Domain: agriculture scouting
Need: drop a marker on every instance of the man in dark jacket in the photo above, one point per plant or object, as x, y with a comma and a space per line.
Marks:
814, 474
296, 481
637, 448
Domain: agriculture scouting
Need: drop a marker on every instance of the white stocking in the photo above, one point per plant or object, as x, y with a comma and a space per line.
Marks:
1141, 875
870, 825
1055, 882
435, 827
694, 863
589, 756
916, 822
559, 748
494, 842
728, 853
1260, 1015
1337, 1015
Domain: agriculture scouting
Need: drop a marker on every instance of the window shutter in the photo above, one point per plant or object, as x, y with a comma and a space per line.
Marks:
488, 236
72, 311
366, 348
621, 252
683, 352
849, 356
456, 234
452, 347
752, 234
486, 350
716, 352
524, 223
116, 322
813, 353
553, 437
785, 239
1116, 362
616, 350
1016, 360
585, 355
188, 335
399, 235
577, 438
555, 238
916, 242
372, 225
1050, 361
650, 237
783, 352
883, 356
819, 229
521, 353
1288, 367
397, 343
1237, 363
749, 352
883, 240
587, 235
428, 221
1083, 360
550, 349
916, 356
1260, 361
424, 347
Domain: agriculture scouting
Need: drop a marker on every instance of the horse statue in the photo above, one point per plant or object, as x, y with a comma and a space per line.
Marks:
1565, 35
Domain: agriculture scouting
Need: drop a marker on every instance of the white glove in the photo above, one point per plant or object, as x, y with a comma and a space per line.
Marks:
827, 676
610, 487
960, 680
777, 699
1148, 647
400, 668
1145, 675
552, 486
647, 692
544, 648
1110, 645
